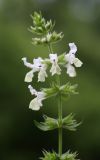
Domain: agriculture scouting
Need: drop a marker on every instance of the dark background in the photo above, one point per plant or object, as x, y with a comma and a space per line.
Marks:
80, 22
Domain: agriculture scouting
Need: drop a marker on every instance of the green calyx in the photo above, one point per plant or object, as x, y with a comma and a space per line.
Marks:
68, 123
54, 156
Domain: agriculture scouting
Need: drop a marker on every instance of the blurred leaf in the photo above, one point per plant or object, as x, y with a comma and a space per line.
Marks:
48, 124
54, 156
40, 25
70, 123
49, 156
69, 156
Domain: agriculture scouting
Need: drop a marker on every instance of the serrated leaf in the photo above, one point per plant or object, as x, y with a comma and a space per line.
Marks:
70, 123
49, 156
68, 89
51, 91
48, 124
69, 156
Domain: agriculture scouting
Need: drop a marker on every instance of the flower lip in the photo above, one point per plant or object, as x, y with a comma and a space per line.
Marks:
55, 69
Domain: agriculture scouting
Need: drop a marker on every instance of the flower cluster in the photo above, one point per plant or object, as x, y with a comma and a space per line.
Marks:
54, 63
41, 65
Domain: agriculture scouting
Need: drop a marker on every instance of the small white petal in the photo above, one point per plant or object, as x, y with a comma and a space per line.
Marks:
34, 104
77, 62
42, 75
32, 90
71, 70
70, 58
73, 48
37, 61
27, 64
55, 69
29, 76
53, 58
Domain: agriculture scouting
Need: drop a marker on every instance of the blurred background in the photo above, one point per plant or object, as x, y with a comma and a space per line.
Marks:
80, 22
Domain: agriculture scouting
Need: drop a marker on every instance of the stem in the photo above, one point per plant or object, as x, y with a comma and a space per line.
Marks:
60, 126
50, 48
59, 120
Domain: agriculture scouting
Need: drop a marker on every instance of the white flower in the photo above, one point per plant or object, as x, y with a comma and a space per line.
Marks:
71, 70
29, 75
71, 59
41, 68
37, 62
32, 90
37, 66
36, 103
55, 69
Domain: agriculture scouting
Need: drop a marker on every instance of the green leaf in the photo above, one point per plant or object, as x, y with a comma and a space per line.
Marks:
51, 91
49, 156
68, 89
54, 156
70, 123
48, 124
69, 156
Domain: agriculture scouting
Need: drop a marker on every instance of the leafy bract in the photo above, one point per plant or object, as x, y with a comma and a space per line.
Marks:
54, 156
69, 156
70, 123
48, 124
49, 156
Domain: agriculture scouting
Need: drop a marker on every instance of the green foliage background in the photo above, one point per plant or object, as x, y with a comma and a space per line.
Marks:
80, 22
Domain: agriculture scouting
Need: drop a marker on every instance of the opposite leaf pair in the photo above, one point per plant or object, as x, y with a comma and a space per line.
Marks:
54, 156
68, 123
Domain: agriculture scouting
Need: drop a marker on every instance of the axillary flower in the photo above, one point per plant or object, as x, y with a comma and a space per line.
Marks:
71, 59
55, 69
36, 103
37, 66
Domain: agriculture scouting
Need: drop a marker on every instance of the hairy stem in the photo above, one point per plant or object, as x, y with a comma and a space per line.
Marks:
50, 48
60, 126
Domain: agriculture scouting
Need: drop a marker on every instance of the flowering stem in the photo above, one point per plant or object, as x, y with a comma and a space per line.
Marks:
60, 125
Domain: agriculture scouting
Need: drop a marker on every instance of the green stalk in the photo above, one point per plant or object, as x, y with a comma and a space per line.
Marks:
59, 112
60, 125
50, 48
